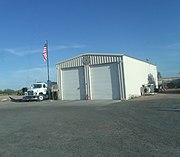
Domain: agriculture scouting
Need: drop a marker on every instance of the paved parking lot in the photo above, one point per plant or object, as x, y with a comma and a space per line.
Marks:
147, 126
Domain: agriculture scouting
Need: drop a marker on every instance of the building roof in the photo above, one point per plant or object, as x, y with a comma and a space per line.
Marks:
102, 54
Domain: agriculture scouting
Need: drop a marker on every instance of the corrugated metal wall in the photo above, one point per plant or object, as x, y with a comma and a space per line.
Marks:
87, 61
94, 60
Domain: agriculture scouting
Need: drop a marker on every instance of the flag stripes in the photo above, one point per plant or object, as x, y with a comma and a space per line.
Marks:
44, 53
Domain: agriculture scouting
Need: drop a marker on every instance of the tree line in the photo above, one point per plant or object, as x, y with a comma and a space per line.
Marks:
7, 92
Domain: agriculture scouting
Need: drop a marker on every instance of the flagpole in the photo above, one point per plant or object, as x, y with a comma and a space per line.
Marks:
48, 81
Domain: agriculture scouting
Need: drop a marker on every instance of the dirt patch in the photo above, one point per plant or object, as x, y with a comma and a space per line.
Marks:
4, 98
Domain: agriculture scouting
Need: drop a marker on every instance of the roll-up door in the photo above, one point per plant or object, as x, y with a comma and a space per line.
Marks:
105, 82
73, 84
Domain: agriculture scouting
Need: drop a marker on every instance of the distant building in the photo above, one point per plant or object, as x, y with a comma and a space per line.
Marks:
168, 79
103, 76
171, 82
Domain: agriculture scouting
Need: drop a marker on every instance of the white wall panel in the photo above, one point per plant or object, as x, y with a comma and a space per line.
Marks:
136, 74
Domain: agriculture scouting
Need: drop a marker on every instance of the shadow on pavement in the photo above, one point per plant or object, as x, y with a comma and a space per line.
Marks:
18, 100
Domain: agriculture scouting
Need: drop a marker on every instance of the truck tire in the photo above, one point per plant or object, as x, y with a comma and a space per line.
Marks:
41, 97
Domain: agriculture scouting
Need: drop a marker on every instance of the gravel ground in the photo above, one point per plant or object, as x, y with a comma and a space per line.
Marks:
143, 127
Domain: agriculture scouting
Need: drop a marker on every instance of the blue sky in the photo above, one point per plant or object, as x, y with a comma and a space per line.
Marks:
139, 28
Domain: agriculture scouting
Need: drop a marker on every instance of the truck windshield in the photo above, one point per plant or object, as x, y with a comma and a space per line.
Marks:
37, 85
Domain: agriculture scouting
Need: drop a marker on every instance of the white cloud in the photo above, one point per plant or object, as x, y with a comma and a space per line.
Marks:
37, 74
23, 51
172, 50
77, 46
70, 46
170, 73
26, 77
174, 46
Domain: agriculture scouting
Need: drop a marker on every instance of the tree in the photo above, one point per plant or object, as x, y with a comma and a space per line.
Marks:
7, 91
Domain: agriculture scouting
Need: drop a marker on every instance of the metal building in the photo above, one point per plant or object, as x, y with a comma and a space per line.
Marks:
103, 76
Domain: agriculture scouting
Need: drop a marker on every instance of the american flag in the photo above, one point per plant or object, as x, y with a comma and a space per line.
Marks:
44, 53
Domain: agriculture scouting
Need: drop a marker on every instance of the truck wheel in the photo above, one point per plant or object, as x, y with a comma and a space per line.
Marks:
41, 97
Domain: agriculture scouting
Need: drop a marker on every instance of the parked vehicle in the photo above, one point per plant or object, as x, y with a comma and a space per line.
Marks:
38, 91
22, 91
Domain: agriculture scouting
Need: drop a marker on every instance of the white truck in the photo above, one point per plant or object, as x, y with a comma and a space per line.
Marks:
38, 91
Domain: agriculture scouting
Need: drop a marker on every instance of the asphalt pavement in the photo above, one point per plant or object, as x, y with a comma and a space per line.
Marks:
143, 127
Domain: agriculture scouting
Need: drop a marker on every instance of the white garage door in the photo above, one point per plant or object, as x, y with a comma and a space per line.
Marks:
73, 84
105, 82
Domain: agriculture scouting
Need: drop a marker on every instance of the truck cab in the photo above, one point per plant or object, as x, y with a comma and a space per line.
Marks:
38, 91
